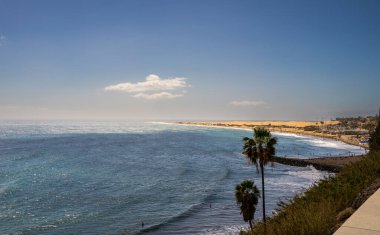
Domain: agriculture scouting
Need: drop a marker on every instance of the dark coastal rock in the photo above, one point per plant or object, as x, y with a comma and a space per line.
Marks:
305, 162
341, 218
365, 194
344, 214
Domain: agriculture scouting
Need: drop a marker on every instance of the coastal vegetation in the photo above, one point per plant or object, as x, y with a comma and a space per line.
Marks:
247, 196
259, 151
315, 211
323, 207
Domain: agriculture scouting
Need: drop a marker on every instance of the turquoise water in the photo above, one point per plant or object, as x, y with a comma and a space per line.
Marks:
109, 177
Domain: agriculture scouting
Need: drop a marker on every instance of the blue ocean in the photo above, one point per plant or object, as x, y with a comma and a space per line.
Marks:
72, 177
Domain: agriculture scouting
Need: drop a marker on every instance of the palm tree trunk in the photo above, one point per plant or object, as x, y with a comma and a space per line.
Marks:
250, 224
263, 190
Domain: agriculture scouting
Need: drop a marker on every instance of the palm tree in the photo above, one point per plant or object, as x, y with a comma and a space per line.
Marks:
247, 195
260, 151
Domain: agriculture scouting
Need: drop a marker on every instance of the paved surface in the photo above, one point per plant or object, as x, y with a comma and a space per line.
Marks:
366, 220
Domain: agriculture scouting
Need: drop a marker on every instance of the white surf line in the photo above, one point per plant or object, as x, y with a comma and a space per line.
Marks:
206, 126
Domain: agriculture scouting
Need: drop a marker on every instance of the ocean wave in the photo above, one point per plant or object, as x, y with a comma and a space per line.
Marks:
322, 142
48, 226
225, 230
227, 173
182, 215
309, 173
7, 187
290, 135
217, 127
328, 143
298, 178
3, 189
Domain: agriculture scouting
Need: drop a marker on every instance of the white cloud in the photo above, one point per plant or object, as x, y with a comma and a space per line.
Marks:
247, 103
157, 96
149, 88
151, 83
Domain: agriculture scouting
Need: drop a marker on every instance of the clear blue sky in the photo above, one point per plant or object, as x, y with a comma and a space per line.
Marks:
275, 60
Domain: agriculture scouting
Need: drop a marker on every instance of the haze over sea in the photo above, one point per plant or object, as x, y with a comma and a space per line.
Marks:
74, 177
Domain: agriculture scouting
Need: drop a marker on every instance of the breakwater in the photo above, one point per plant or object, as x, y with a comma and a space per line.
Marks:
307, 162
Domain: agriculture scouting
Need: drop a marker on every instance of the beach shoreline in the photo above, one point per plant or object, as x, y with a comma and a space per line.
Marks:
293, 127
